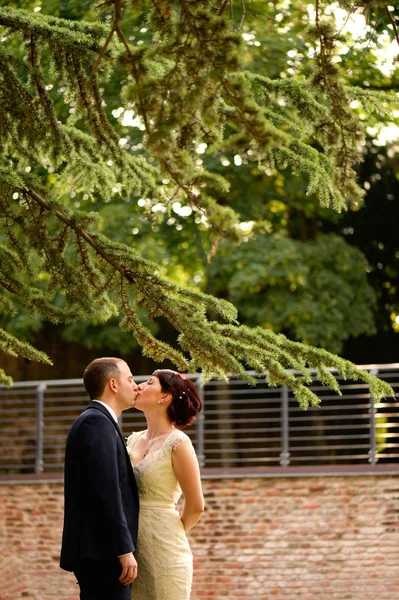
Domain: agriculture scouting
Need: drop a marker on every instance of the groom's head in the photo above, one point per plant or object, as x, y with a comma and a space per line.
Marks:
98, 373
111, 381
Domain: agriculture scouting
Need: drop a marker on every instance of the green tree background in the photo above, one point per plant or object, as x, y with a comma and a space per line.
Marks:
264, 235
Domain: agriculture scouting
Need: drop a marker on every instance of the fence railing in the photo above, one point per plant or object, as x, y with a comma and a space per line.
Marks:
240, 425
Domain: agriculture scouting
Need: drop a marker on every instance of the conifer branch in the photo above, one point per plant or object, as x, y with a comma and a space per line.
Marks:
74, 226
103, 51
217, 348
392, 20
243, 14
223, 6
332, 94
5, 379
38, 79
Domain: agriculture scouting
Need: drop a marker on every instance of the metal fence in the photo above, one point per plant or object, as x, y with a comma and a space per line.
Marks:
240, 425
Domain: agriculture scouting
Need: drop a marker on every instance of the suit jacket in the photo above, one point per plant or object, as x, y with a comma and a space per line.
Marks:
101, 498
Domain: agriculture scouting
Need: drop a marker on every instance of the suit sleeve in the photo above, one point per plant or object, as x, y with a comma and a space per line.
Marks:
99, 441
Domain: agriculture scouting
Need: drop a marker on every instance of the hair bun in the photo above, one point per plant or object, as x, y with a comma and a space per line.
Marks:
186, 403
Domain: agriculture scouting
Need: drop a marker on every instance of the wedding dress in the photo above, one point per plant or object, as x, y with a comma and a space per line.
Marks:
165, 565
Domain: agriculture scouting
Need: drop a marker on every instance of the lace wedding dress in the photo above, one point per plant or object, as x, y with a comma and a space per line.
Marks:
165, 565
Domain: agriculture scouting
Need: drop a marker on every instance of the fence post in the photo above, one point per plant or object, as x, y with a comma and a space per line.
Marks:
284, 454
39, 465
373, 437
199, 424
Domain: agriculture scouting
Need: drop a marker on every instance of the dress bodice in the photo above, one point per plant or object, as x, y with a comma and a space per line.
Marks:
154, 474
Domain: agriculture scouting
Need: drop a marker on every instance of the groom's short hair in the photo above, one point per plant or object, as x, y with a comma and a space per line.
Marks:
98, 373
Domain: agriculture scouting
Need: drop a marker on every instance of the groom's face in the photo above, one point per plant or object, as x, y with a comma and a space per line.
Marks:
127, 388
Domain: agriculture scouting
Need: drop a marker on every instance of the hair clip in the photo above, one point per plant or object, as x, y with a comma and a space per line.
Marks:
182, 394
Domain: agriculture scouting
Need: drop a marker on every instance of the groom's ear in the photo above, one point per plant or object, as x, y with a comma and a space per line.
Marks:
113, 384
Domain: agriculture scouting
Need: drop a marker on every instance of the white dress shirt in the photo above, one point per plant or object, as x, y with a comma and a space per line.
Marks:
109, 409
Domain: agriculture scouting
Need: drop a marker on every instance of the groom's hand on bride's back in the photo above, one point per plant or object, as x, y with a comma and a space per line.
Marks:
129, 568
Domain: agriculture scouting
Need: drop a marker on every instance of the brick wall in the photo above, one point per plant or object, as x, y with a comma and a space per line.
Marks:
291, 538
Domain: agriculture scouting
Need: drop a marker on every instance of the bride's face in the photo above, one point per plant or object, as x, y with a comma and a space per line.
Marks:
149, 392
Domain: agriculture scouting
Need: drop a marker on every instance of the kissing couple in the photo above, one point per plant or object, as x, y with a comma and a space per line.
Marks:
123, 537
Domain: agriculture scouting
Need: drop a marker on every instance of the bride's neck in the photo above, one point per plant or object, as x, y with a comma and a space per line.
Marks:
157, 423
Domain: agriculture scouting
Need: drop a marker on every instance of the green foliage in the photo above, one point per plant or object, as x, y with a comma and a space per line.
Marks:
305, 289
188, 87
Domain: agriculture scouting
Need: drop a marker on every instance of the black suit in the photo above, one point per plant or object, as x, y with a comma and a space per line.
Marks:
101, 504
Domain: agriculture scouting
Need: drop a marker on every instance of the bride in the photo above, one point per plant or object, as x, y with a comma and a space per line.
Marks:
165, 466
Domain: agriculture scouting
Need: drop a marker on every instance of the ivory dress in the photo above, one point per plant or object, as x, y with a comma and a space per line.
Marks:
165, 563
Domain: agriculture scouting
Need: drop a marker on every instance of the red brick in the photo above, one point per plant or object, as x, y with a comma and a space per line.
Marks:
311, 538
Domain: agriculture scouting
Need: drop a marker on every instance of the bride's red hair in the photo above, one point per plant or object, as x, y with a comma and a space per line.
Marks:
186, 403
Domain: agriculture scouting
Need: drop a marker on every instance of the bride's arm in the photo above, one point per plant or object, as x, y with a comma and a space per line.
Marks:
186, 469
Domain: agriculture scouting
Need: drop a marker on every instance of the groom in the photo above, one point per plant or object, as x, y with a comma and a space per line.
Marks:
101, 499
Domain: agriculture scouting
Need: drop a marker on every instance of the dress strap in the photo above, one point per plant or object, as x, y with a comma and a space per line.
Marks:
175, 438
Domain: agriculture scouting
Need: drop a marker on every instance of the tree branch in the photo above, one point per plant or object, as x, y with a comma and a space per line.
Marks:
390, 17
118, 4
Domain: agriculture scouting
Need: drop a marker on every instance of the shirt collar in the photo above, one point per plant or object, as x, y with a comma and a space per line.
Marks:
109, 409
